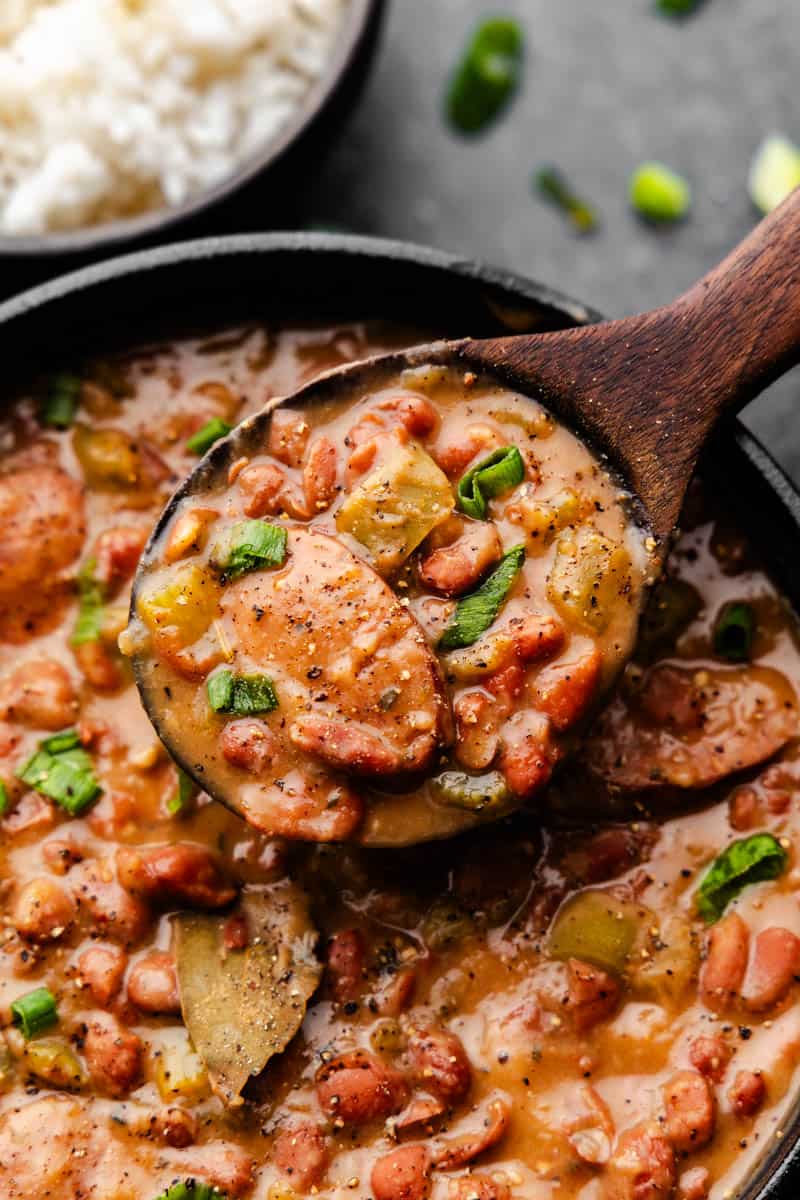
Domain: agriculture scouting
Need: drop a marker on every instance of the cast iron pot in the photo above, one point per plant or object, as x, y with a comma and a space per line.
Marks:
219, 281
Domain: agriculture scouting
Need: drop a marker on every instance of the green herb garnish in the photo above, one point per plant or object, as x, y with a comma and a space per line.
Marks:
91, 606
4, 799
34, 1012
249, 546
191, 1189
242, 695
554, 187
678, 8
658, 193
501, 471
774, 172
183, 796
62, 770
476, 612
749, 860
487, 75
211, 432
61, 401
734, 630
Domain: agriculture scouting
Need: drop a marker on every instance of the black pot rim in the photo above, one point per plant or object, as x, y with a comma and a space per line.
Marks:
360, 18
755, 486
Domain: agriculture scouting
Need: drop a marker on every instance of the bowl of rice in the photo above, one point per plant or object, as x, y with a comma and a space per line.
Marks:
121, 118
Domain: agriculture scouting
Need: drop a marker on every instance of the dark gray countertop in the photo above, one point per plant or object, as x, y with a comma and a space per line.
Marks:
607, 85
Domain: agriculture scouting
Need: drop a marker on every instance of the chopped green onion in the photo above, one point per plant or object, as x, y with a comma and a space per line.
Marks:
774, 172
242, 695
211, 432
61, 401
476, 612
473, 793
501, 471
658, 193
91, 608
750, 860
678, 8
4, 799
57, 743
62, 770
487, 75
734, 630
248, 546
554, 187
34, 1012
186, 789
191, 1189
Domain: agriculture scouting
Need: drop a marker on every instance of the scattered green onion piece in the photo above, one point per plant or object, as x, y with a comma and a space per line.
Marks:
4, 799
62, 770
487, 75
91, 606
750, 860
61, 401
734, 631
57, 743
249, 546
658, 193
501, 471
183, 796
35, 1012
774, 172
211, 432
678, 8
476, 612
473, 793
554, 187
242, 695
191, 1189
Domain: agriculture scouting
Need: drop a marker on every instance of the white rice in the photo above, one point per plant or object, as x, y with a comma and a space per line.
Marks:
109, 108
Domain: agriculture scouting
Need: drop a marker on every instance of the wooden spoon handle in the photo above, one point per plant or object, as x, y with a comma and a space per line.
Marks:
648, 389
743, 318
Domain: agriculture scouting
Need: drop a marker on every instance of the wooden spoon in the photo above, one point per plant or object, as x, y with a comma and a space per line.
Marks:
645, 392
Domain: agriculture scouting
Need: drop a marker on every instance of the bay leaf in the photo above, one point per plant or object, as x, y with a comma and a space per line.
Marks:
241, 1007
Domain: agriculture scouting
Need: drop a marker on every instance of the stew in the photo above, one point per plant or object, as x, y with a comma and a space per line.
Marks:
553, 1007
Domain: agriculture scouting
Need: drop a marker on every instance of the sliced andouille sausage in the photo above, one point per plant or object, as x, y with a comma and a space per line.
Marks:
113, 1054
183, 873
43, 911
101, 969
774, 966
689, 1111
345, 964
439, 1062
403, 1174
153, 984
642, 1166
493, 1120
42, 528
301, 1152
747, 1093
726, 962
689, 728
359, 687
358, 1087
592, 994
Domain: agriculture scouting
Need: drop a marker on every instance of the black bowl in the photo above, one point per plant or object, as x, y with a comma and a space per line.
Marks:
161, 293
261, 192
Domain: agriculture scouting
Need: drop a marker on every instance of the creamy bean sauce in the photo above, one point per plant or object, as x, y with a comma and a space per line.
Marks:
546, 1008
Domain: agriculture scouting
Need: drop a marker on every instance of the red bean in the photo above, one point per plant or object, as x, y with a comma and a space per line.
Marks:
723, 971
457, 568
153, 984
773, 968
710, 1056
358, 1087
404, 1174
176, 1127
694, 1184
288, 436
527, 752
747, 1093
319, 475
345, 964
43, 911
117, 552
38, 694
183, 873
111, 908
481, 1187
642, 1166
689, 1111
414, 412
249, 744
101, 970
592, 994
439, 1062
565, 690
113, 1054
300, 1150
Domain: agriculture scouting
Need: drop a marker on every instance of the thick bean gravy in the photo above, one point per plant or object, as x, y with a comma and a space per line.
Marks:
548, 1008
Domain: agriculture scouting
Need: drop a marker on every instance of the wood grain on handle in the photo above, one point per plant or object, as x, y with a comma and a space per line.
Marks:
648, 389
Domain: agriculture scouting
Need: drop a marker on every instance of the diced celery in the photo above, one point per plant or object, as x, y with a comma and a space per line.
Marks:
109, 457
54, 1061
474, 793
666, 971
658, 193
186, 601
597, 928
179, 1070
590, 576
397, 505
774, 172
